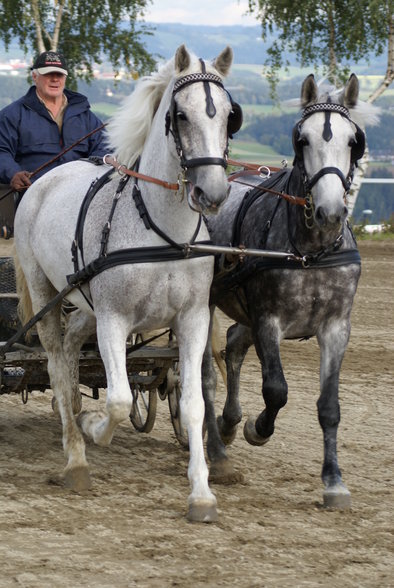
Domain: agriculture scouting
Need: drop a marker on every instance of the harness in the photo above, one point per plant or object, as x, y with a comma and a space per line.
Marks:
234, 277
171, 252
357, 151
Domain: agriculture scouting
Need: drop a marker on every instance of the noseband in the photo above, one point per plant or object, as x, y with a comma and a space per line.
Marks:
356, 153
234, 122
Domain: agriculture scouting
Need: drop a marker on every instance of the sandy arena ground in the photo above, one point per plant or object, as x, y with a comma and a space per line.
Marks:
130, 530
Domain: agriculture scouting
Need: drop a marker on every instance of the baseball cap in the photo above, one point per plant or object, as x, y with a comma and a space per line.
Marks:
50, 61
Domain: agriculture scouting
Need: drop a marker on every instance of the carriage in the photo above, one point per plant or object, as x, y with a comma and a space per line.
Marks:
152, 364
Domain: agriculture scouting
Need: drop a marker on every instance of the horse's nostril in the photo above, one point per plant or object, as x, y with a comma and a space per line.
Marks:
319, 214
198, 192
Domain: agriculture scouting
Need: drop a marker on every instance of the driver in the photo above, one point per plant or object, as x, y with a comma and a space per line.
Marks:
44, 122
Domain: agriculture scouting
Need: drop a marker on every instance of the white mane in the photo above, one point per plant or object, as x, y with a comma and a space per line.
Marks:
129, 127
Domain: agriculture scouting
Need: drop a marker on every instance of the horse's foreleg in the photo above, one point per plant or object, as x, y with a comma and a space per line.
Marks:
78, 328
257, 431
202, 503
333, 344
100, 425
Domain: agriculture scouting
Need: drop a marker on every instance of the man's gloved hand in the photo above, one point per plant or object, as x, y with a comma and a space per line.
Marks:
21, 180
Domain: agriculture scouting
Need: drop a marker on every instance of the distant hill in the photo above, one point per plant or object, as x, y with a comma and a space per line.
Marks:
208, 41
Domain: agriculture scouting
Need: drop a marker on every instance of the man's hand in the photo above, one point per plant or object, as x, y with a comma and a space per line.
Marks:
21, 180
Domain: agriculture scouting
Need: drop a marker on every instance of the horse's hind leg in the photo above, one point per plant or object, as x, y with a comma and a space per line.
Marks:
49, 331
332, 349
79, 326
221, 470
239, 340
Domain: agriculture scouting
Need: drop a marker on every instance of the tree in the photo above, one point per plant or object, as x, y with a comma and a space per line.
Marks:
328, 33
83, 31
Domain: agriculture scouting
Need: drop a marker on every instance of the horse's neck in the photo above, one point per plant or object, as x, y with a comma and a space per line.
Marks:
168, 209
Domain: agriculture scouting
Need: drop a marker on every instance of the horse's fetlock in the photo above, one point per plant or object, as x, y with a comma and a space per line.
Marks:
275, 395
119, 411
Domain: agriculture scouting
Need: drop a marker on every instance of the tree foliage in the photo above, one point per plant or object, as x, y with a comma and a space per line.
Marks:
83, 31
327, 32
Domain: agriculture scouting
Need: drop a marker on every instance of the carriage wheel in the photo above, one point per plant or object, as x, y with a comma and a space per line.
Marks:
143, 412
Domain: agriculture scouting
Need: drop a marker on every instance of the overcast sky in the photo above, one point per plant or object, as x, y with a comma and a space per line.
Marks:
200, 12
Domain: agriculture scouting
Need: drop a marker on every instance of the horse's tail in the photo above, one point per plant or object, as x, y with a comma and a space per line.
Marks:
25, 308
217, 352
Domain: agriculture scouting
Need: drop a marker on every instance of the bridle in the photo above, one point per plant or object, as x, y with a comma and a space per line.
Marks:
171, 121
357, 151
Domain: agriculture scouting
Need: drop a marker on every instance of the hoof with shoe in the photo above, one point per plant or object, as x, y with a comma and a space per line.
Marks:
227, 433
251, 435
222, 472
202, 512
78, 479
338, 497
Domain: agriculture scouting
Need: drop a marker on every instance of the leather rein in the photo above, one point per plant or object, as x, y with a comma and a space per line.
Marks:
125, 171
251, 169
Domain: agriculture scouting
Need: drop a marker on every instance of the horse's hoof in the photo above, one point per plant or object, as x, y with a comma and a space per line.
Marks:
338, 497
227, 433
202, 512
78, 479
222, 472
251, 435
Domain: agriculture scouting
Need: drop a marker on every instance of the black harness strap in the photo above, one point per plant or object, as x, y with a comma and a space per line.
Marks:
95, 186
150, 224
107, 226
135, 255
242, 272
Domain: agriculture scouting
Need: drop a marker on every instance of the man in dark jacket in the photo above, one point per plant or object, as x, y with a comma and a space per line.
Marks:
44, 122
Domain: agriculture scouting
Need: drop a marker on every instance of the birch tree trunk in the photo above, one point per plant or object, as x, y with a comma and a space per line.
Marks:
387, 80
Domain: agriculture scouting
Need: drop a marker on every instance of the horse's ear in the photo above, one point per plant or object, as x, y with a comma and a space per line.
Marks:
350, 92
223, 62
309, 92
182, 59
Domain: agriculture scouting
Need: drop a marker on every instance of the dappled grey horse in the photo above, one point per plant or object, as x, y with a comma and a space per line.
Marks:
273, 300
129, 258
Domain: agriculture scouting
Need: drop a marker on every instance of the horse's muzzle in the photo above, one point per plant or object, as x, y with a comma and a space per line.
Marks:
327, 218
204, 202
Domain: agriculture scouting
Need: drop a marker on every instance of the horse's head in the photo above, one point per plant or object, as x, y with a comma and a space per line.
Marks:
327, 145
200, 119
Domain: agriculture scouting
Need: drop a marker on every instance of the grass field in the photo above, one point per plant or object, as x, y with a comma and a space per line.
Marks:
256, 153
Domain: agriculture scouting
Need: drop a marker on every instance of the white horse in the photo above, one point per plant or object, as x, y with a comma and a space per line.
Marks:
177, 121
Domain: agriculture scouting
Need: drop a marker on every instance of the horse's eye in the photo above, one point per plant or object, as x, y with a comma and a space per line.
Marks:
352, 142
303, 142
181, 115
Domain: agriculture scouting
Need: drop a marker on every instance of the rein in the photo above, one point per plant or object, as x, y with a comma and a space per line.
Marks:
255, 169
123, 170
289, 197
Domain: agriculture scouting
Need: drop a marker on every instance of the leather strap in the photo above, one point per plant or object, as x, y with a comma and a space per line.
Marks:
123, 170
